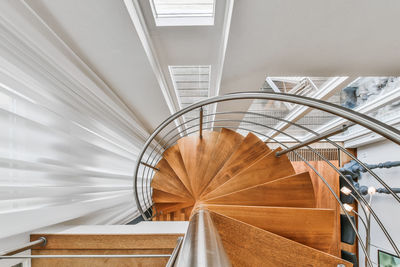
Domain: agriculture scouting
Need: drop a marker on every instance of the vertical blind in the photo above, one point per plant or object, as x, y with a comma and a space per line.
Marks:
66, 153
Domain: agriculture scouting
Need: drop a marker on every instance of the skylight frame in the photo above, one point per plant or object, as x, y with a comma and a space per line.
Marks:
184, 18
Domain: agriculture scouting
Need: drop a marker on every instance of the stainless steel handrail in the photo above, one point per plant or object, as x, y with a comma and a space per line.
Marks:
370, 123
202, 245
312, 132
358, 118
376, 218
41, 241
311, 167
175, 252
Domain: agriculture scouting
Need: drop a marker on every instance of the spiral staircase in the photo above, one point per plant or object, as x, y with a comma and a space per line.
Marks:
245, 203
249, 193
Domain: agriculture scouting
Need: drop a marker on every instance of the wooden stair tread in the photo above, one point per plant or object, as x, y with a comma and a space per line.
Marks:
249, 151
292, 191
311, 227
247, 245
174, 159
166, 180
228, 141
172, 211
171, 207
196, 153
266, 169
164, 197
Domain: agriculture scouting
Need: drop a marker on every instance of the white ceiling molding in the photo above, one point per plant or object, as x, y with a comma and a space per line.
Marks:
365, 136
58, 60
139, 23
215, 88
298, 112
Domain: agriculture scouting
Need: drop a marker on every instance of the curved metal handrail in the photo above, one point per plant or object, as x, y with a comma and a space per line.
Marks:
311, 167
318, 174
361, 119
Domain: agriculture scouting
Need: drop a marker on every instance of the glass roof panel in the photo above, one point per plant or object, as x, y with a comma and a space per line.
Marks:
183, 12
191, 84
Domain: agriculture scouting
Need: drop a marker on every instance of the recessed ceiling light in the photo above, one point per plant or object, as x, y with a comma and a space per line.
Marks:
183, 12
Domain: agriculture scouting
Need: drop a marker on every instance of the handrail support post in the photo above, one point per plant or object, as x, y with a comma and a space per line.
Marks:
201, 122
148, 165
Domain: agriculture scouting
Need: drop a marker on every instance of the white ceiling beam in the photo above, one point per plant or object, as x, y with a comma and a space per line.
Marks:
365, 136
288, 79
214, 90
298, 112
139, 23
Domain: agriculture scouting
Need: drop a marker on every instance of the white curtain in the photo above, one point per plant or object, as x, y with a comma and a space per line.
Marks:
67, 144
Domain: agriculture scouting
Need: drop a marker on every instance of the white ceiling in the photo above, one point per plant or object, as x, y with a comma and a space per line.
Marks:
266, 37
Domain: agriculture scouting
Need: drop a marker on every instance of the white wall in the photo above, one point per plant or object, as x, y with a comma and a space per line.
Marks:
387, 209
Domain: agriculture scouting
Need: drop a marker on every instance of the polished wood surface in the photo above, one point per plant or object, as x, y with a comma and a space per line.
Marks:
228, 141
324, 198
244, 180
107, 241
164, 197
175, 210
291, 191
171, 207
100, 262
247, 245
174, 159
196, 153
249, 151
167, 181
311, 227
88, 244
266, 169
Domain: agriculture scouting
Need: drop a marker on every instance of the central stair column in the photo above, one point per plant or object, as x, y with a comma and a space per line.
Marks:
202, 245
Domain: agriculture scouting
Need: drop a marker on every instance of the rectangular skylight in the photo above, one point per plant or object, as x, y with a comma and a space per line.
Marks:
191, 84
183, 12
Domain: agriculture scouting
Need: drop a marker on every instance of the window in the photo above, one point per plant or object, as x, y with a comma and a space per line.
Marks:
183, 12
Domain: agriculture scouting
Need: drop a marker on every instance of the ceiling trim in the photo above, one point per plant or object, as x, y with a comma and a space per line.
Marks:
136, 15
214, 90
365, 136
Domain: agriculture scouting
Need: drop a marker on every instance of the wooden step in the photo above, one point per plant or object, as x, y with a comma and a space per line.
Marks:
292, 191
196, 153
247, 245
164, 197
171, 207
155, 238
266, 169
311, 227
166, 180
228, 141
174, 159
249, 151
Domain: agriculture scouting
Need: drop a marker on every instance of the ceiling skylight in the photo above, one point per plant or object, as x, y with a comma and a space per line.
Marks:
183, 12
191, 84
